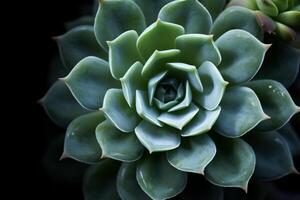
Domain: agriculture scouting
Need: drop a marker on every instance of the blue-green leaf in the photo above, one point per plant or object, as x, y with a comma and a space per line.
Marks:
158, 179
80, 140
276, 102
274, 161
241, 112
242, 55
233, 164
118, 111
100, 181
159, 36
118, 145
60, 105
190, 14
291, 137
214, 7
89, 80
123, 53
77, 44
237, 17
127, 185
193, 155
156, 138
115, 17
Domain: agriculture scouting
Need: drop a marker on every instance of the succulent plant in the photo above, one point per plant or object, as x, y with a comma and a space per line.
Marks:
170, 100
281, 17
283, 59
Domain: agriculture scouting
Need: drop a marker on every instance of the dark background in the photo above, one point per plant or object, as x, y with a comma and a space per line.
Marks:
35, 176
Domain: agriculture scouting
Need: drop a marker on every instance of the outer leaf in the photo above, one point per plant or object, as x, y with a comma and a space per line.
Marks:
89, 80
118, 145
233, 164
158, 179
180, 118
156, 138
151, 8
190, 14
281, 64
241, 112
60, 105
214, 7
77, 44
242, 55
276, 103
197, 48
132, 81
201, 123
159, 36
272, 162
99, 181
214, 86
291, 137
118, 112
115, 17
84, 20
237, 18
80, 140
127, 184
146, 111
193, 155
123, 53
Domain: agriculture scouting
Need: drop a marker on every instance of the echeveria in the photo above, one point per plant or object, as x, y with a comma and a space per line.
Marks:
172, 100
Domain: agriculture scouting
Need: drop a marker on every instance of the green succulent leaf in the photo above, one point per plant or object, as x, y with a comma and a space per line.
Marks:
281, 64
118, 111
115, 17
214, 7
99, 181
197, 48
241, 63
193, 155
186, 101
156, 138
237, 17
274, 161
123, 53
268, 7
276, 102
151, 8
165, 106
127, 185
152, 84
241, 112
132, 81
190, 72
214, 88
178, 119
158, 179
291, 137
77, 44
233, 164
118, 145
60, 105
147, 112
201, 123
156, 63
282, 5
89, 80
158, 36
80, 140
290, 18
190, 14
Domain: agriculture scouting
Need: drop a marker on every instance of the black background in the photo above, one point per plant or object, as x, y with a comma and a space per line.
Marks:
41, 20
